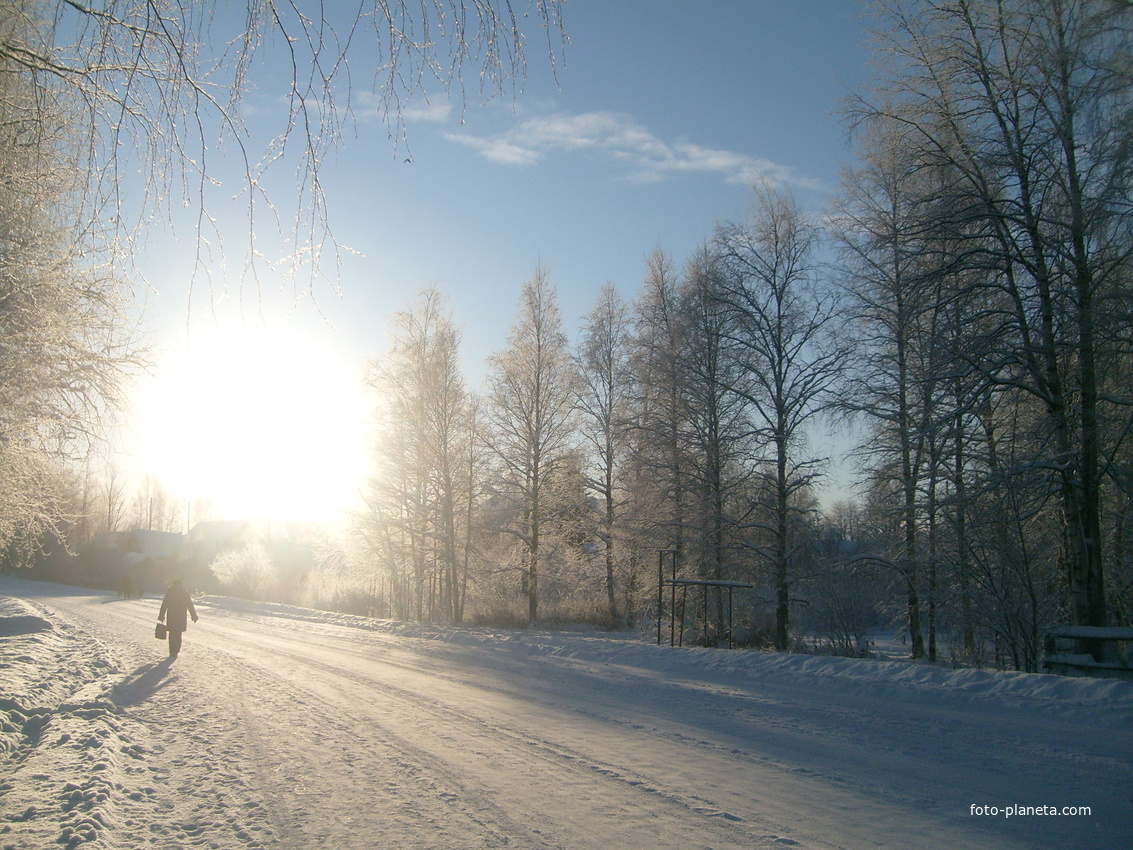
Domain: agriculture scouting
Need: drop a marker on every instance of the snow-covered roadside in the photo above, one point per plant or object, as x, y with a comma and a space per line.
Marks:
83, 764
67, 751
846, 676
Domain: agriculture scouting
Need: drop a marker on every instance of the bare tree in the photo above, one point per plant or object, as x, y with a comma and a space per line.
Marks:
154, 508
450, 437
716, 417
67, 345
780, 332
688, 458
892, 304
473, 465
1028, 104
658, 448
113, 500
532, 387
416, 498
605, 385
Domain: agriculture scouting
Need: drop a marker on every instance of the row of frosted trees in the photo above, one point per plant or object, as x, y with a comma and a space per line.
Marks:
670, 425
971, 319
986, 236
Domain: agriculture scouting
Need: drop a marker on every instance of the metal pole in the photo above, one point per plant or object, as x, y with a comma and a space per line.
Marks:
673, 599
684, 604
660, 590
704, 601
731, 644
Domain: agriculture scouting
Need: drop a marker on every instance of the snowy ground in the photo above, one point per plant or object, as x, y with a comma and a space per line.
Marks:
284, 728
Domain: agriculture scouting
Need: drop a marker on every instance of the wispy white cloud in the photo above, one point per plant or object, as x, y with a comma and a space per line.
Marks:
370, 106
498, 150
433, 113
620, 138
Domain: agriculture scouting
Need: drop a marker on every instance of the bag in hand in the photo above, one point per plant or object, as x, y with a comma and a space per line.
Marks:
159, 631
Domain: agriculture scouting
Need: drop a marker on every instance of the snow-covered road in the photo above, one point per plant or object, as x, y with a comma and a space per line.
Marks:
282, 728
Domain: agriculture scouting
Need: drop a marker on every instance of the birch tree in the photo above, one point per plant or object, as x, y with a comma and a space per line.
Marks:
605, 386
717, 424
1029, 104
659, 437
780, 335
417, 501
532, 387
65, 328
880, 231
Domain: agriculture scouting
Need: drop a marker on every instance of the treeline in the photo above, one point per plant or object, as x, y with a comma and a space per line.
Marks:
976, 325
677, 422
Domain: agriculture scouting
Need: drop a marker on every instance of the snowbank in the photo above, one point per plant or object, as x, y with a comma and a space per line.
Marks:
63, 743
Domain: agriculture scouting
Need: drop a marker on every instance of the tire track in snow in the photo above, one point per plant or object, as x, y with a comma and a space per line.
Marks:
176, 769
778, 796
334, 777
814, 741
476, 741
234, 763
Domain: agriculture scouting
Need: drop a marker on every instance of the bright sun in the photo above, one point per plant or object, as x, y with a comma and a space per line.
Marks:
262, 423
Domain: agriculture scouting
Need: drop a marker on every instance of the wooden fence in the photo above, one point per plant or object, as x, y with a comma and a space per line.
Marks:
1064, 655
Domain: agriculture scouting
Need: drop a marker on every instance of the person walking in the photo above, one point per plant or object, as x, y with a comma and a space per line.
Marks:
176, 607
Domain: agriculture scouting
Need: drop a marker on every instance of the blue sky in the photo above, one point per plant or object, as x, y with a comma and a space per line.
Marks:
657, 118
661, 116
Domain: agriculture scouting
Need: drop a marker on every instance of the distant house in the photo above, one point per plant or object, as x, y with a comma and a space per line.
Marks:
204, 542
142, 561
133, 562
149, 558
154, 545
146, 561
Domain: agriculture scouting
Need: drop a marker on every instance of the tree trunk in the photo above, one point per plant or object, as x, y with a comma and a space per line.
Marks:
782, 554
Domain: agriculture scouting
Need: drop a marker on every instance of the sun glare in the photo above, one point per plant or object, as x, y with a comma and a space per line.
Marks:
262, 424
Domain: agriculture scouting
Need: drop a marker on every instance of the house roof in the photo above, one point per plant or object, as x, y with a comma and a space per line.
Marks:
215, 533
153, 544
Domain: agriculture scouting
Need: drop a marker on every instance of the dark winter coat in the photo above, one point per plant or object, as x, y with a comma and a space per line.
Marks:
176, 605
